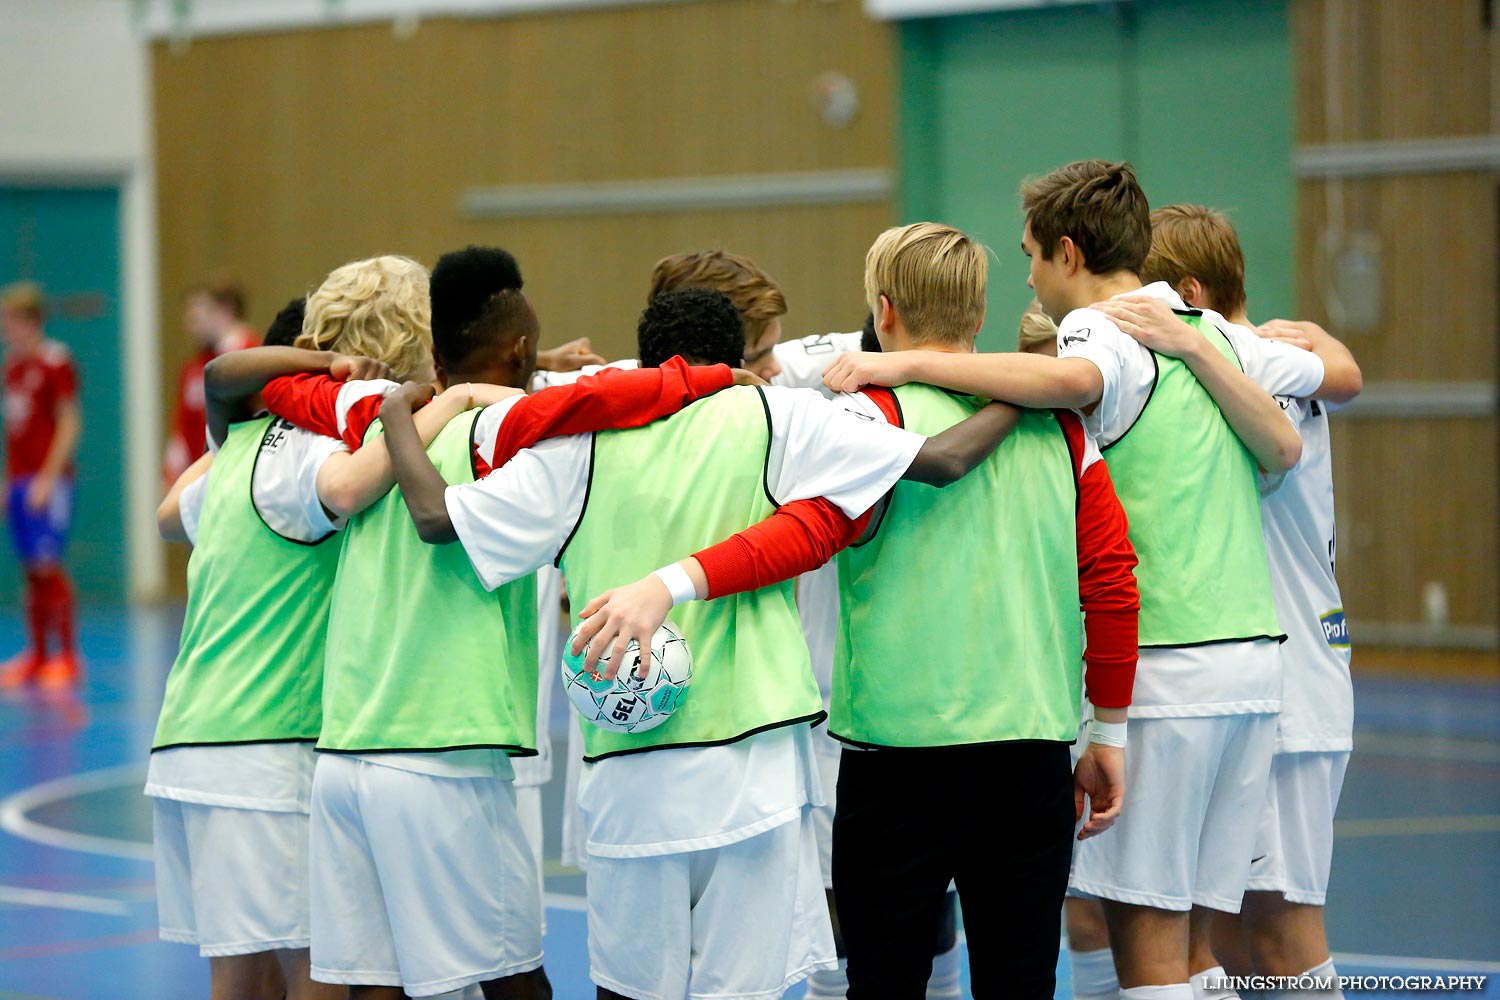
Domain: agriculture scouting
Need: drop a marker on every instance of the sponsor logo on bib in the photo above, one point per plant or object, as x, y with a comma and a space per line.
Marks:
1335, 628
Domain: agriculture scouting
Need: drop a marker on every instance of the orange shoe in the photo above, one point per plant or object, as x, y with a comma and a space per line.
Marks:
61, 671
20, 669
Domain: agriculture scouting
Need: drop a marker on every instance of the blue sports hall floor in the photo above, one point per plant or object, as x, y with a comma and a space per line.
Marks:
1415, 890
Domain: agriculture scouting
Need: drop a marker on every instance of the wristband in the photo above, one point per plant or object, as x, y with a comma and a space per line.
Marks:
1110, 734
471, 396
678, 584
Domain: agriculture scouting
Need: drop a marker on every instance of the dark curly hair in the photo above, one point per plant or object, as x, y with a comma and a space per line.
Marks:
468, 310
287, 325
700, 324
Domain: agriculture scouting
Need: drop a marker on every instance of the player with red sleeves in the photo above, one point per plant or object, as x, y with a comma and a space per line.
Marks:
42, 427
214, 315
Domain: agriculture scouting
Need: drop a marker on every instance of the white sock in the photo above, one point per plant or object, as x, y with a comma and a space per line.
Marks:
828, 984
1324, 971
943, 983
1206, 985
1177, 991
1094, 974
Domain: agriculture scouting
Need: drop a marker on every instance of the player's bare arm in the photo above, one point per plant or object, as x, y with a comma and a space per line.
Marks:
1251, 412
59, 454
422, 486
949, 456
169, 513
231, 380
1342, 379
349, 483
1023, 379
569, 357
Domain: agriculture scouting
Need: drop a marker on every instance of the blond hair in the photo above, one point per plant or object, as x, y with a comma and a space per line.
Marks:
24, 297
754, 292
935, 277
1037, 329
1190, 241
377, 308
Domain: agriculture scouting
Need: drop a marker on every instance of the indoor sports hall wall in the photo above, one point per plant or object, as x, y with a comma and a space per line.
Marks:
1414, 167
1224, 103
1196, 93
285, 154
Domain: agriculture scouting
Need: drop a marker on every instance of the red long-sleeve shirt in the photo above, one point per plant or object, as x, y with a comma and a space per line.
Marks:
801, 537
614, 398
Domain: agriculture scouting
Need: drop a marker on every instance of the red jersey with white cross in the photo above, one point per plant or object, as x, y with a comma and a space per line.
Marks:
35, 385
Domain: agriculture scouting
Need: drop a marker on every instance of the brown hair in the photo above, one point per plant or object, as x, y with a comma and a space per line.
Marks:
1190, 241
1099, 206
225, 292
934, 275
754, 292
1037, 328
26, 298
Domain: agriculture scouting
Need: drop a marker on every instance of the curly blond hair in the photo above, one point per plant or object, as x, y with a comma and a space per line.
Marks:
377, 308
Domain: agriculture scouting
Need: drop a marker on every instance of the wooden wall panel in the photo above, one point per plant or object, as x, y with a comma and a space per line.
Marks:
1416, 503
283, 155
1403, 68
1418, 499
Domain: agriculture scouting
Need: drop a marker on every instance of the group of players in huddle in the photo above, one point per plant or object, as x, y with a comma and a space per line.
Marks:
345, 770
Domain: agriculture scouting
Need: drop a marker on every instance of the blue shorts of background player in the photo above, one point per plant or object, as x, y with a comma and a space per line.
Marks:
40, 537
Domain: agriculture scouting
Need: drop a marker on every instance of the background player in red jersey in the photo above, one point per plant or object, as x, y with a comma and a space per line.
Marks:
213, 314
42, 427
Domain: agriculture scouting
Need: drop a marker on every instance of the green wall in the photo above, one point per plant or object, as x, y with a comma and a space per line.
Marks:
1197, 94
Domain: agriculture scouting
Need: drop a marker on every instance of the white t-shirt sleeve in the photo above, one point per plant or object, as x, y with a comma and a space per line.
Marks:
487, 426
804, 361
190, 505
821, 449
351, 393
1275, 366
518, 517
1127, 368
284, 486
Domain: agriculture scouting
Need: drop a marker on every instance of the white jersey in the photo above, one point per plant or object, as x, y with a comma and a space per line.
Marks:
521, 515
1317, 699
804, 361
1223, 678
275, 777
549, 642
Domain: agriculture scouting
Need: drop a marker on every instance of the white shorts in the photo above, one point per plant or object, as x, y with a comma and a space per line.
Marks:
418, 881
822, 816
529, 812
575, 838
1194, 790
744, 921
231, 881
1294, 847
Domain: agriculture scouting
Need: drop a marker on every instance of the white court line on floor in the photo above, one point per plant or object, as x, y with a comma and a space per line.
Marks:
1415, 826
13, 810
22, 896
566, 901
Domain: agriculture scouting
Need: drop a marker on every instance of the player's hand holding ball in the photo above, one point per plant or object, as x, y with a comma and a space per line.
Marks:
633, 688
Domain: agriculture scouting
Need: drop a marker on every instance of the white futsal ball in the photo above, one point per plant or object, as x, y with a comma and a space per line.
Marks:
631, 704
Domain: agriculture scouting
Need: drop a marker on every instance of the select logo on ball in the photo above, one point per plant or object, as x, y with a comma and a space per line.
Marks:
630, 703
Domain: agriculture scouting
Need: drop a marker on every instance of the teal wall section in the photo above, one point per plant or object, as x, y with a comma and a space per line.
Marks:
69, 240
1197, 94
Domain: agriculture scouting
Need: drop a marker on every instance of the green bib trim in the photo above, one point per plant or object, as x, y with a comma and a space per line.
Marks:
996, 655
421, 658
249, 668
751, 671
1203, 580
